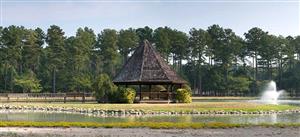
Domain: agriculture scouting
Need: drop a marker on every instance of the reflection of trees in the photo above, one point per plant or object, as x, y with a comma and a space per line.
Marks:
185, 119
273, 118
253, 119
167, 118
50, 116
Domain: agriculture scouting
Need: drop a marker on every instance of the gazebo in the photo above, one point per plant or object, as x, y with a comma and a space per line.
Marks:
146, 68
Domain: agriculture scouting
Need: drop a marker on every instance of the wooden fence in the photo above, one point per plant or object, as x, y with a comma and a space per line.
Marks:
47, 97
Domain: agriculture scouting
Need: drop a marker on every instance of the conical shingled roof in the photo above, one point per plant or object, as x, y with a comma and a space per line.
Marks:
147, 66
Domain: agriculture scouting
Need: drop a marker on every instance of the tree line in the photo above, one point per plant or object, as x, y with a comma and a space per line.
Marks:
215, 61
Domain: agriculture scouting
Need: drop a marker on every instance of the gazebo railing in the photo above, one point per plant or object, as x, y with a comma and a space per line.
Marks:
155, 95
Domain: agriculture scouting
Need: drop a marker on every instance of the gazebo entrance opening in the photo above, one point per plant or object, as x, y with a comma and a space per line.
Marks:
154, 92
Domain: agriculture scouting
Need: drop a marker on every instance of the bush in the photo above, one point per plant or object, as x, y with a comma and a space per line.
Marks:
187, 87
104, 88
126, 95
183, 95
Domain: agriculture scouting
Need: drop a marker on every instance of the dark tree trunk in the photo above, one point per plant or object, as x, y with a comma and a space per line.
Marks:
5, 77
256, 69
53, 80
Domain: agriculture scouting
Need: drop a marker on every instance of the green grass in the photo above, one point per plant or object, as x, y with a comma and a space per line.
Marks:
152, 125
224, 98
198, 106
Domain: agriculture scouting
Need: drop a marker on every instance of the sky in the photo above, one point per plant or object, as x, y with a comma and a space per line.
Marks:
278, 17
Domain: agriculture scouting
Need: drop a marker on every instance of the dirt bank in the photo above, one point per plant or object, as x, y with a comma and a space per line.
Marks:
145, 132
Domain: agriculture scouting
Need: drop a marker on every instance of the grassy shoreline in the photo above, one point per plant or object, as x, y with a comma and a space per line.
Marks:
151, 125
198, 106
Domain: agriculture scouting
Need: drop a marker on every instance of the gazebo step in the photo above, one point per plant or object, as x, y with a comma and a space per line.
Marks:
155, 101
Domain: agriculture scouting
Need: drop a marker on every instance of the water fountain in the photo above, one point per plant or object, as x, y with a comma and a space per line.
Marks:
271, 95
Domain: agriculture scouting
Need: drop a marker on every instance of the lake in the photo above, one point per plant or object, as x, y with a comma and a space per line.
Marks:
10, 115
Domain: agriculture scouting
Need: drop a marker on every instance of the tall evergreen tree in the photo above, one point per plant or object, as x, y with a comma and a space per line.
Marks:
107, 44
55, 52
254, 40
162, 40
32, 50
127, 41
198, 43
145, 33
12, 45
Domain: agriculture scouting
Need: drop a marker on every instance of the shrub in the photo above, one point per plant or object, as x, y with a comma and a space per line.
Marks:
104, 88
127, 95
183, 95
187, 87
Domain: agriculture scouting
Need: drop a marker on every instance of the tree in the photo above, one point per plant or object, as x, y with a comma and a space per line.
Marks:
32, 49
239, 84
162, 40
55, 52
225, 45
83, 45
179, 48
104, 87
79, 52
254, 42
198, 43
127, 41
82, 82
145, 34
28, 82
12, 44
290, 51
291, 80
296, 44
268, 56
107, 44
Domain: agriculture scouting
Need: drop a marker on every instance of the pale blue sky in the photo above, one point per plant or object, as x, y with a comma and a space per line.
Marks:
275, 16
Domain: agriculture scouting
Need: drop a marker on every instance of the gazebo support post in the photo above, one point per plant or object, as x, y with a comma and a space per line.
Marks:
150, 97
140, 91
172, 94
168, 92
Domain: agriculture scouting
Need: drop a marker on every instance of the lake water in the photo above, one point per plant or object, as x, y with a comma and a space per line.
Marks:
47, 116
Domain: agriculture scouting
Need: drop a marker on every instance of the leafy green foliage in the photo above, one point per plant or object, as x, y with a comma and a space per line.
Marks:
183, 95
239, 84
127, 41
187, 87
145, 33
107, 44
28, 82
104, 88
55, 52
126, 95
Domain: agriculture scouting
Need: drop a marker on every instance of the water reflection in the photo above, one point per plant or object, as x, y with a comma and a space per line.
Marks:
46, 116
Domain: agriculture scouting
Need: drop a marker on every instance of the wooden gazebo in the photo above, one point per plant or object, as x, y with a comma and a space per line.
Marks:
147, 68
